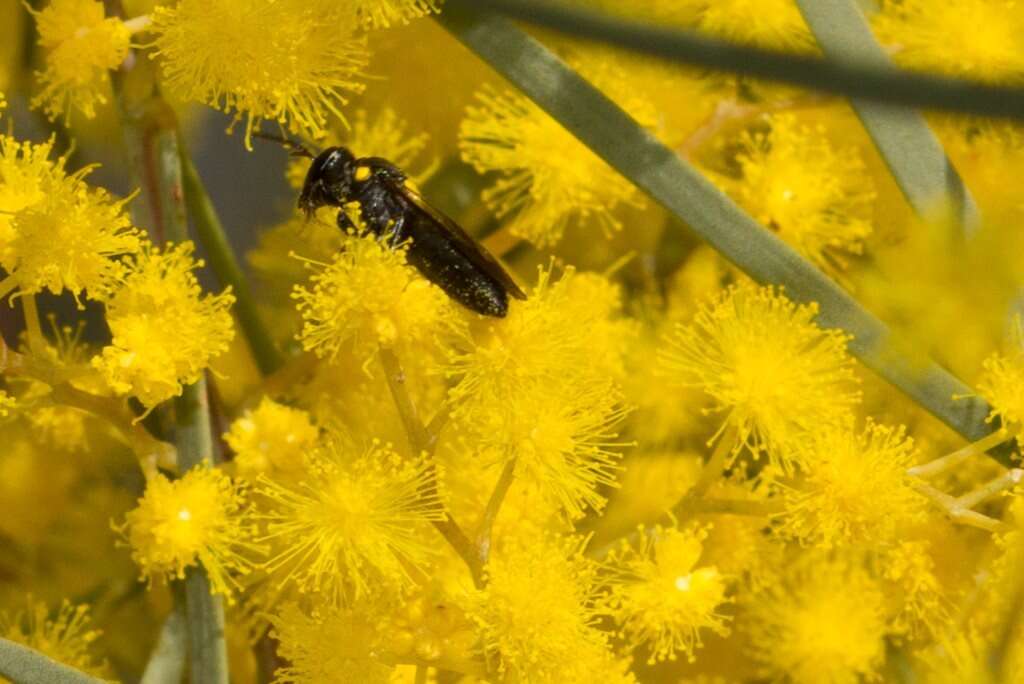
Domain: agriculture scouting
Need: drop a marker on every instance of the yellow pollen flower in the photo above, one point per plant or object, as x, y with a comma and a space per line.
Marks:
778, 23
370, 297
354, 523
332, 645
989, 35
273, 439
199, 518
288, 61
375, 14
165, 331
824, 622
816, 197
81, 45
566, 332
68, 242
65, 636
924, 608
664, 600
775, 375
56, 232
855, 488
562, 440
549, 179
537, 612
1002, 382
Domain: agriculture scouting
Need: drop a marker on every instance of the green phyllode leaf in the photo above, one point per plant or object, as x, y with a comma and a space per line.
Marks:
607, 130
911, 151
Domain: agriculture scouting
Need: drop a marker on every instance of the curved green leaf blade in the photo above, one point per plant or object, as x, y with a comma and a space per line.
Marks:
896, 86
679, 187
911, 151
23, 665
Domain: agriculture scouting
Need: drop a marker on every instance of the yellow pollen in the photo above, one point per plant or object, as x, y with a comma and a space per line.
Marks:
683, 583
362, 173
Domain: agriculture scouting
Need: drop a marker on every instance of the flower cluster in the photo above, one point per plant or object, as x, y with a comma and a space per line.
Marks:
650, 468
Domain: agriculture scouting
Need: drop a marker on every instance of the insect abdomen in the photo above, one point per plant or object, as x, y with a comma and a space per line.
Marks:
440, 262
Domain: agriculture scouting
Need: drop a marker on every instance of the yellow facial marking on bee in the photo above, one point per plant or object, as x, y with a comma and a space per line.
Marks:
362, 173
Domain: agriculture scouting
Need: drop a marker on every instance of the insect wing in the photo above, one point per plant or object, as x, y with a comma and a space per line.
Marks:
472, 250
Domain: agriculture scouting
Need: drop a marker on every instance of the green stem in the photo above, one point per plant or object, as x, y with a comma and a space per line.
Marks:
208, 661
493, 508
167, 662
36, 341
421, 443
222, 259
898, 86
23, 665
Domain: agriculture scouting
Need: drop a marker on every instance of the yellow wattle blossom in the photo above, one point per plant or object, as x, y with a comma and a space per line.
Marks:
767, 23
854, 488
376, 14
165, 330
355, 524
56, 232
823, 621
549, 179
923, 607
369, 297
272, 439
537, 611
287, 61
1002, 382
921, 32
64, 635
816, 197
81, 45
540, 345
200, 518
767, 367
663, 600
563, 440
334, 645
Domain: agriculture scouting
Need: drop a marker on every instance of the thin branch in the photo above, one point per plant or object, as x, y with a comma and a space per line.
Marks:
414, 430
957, 513
166, 664
152, 141
713, 469
941, 465
419, 443
847, 78
223, 262
501, 488
151, 452
435, 426
732, 111
23, 665
1008, 480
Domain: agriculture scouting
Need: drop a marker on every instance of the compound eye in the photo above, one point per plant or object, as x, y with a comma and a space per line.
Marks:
334, 168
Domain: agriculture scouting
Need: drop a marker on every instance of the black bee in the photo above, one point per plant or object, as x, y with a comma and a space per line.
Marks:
396, 212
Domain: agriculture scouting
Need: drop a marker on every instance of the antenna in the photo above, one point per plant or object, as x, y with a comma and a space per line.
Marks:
295, 149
